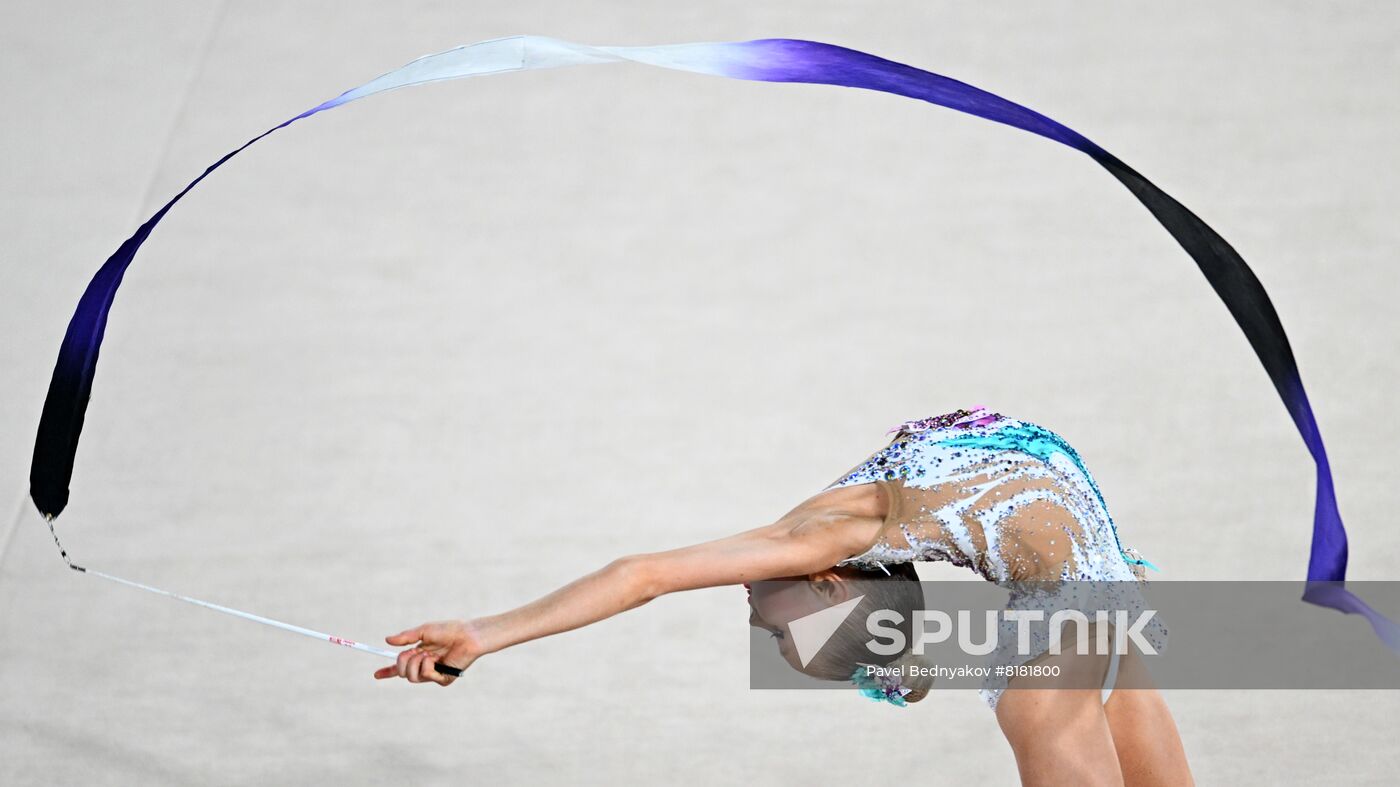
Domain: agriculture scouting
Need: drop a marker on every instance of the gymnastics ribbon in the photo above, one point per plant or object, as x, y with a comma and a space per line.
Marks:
765, 60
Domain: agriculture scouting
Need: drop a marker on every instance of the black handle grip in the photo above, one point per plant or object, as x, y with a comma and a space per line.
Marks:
448, 670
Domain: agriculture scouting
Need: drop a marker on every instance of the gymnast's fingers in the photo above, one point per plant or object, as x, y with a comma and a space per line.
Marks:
401, 664
415, 666
406, 637
430, 672
433, 649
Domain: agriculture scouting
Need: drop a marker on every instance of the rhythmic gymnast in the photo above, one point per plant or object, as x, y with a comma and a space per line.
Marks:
907, 503
1005, 498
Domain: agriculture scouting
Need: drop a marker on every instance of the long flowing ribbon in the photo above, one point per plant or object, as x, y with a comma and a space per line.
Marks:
766, 60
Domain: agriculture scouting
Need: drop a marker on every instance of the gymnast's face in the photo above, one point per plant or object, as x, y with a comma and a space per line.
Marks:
777, 602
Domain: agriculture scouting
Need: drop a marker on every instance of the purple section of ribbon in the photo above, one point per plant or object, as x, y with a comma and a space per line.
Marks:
61, 422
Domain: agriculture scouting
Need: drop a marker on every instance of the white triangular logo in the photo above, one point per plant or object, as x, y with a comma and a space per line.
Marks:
810, 633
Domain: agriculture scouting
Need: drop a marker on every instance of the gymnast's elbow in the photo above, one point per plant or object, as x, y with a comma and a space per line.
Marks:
638, 578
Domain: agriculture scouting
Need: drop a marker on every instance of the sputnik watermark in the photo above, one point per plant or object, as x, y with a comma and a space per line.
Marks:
936, 626
1230, 635
889, 640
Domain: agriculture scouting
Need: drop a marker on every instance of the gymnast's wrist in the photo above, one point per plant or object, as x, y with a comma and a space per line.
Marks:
481, 636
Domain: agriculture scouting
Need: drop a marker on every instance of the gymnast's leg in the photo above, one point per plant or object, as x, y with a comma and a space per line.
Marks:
1061, 736
1144, 734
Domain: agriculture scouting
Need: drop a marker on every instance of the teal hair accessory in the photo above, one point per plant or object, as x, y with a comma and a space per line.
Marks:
1135, 556
880, 687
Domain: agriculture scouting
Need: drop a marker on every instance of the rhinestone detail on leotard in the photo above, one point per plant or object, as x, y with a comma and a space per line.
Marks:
1008, 499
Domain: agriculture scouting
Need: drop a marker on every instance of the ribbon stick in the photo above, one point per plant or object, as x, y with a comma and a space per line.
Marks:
388, 654
306, 632
766, 60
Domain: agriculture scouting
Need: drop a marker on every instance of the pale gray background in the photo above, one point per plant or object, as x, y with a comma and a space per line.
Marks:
439, 351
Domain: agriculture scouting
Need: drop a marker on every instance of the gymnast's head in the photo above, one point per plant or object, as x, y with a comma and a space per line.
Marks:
776, 603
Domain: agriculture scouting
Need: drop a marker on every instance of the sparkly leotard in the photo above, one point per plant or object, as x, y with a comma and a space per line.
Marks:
1008, 499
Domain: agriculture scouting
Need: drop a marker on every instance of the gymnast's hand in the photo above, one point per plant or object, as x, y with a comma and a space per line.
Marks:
450, 642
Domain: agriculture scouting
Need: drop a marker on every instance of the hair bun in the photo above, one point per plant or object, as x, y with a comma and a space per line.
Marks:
915, 675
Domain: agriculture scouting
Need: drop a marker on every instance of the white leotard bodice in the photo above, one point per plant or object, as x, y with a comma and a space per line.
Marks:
1006, 498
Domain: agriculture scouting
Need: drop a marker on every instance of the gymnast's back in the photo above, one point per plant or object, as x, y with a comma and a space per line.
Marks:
1009, 499
1013, 502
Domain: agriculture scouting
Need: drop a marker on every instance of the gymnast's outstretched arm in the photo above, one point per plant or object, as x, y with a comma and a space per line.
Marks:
802, 542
